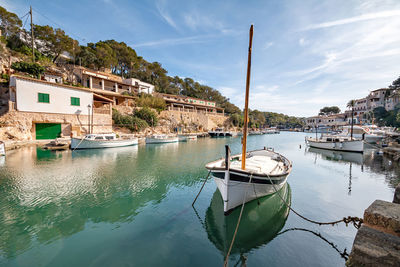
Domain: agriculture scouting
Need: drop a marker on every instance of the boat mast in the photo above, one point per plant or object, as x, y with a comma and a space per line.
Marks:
246, 104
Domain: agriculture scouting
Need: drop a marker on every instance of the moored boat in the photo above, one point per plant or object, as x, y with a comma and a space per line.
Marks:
161, 139
249, 175
360, 132
2, 149
91, 141
265, 172
336, 142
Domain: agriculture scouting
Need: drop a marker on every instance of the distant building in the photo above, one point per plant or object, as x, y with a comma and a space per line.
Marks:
392, 100
376, 98
108, 85
191, 104
53, 76
48, 110
140, 86
333, 120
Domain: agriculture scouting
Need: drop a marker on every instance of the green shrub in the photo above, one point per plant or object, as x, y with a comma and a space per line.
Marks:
147, 115
32, 68
146, 100
131, 122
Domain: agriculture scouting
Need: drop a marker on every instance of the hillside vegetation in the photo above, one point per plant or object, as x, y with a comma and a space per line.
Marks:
120, 59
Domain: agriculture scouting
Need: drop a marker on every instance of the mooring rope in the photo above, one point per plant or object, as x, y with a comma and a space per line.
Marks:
237, 225
78, 144
355, 220
201, 188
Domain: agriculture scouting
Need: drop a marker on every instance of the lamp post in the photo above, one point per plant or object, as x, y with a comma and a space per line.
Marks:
89, 106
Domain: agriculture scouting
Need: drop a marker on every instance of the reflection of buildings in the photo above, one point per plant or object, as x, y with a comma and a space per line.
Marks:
258, 226
368, 161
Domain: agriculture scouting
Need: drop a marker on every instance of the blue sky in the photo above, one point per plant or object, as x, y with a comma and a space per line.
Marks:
307, 54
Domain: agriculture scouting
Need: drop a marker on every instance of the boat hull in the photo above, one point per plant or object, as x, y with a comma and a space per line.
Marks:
77, 143
161, 141
349, 146
239, 188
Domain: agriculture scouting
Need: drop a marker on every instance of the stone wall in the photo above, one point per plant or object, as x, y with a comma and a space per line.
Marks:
15, 125
204, 121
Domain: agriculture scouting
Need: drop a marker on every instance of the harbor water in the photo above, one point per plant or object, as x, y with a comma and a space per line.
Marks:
131, 206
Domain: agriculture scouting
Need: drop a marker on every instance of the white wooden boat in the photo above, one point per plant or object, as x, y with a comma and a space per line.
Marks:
261, 166
185, 138
161, 139
271, 131
2, 148
250, 175
336, 142
91, 141
360, 132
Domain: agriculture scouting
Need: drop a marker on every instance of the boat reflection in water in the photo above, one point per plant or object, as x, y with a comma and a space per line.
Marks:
332, 155
260, 223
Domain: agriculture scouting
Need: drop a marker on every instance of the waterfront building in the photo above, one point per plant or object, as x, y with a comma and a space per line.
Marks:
47, 110
191, 104
376, 98
108, 82
333, 120
392, 100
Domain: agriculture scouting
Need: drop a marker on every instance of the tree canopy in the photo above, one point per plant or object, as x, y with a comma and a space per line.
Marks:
329, 110
9, 23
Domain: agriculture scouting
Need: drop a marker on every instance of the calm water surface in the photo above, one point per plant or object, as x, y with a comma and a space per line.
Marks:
132, 206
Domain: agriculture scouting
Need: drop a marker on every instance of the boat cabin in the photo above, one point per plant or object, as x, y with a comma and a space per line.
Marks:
101, 137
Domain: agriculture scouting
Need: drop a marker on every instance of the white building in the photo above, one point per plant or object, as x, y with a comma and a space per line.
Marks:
333, 120
142, 86
52, 110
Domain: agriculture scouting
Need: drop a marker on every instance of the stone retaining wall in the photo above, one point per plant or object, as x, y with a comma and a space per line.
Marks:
204, 121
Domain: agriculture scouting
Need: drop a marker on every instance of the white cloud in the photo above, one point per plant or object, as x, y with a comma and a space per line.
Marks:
369, 16
268, 45
161, 8
175, 41
302, 42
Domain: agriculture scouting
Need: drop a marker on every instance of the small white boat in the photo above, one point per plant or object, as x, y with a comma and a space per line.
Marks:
249, 175
262, 166
101, 141
161, 138
2, 148
336, 142
255, 133
185, 138
219, 132
271, 131
360, 132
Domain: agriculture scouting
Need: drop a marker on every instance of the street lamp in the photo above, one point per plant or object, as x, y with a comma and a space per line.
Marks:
89, 106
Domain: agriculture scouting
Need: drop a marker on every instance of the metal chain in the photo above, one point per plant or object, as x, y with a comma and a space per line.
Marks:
355, 220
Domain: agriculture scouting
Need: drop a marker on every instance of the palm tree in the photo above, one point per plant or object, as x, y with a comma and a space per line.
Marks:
351, 104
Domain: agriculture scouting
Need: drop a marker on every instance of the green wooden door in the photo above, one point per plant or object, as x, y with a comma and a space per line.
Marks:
48, 130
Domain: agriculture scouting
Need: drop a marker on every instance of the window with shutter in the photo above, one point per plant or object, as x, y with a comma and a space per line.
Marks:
43, 98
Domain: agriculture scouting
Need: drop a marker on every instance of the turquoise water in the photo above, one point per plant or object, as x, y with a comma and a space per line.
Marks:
132, 206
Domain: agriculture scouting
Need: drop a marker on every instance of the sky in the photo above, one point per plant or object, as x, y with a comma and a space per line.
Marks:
307, 54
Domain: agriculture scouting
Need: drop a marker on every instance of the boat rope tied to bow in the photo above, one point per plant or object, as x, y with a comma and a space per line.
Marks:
354, 220
237, 225
194, 201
